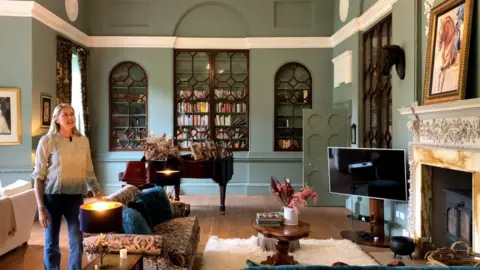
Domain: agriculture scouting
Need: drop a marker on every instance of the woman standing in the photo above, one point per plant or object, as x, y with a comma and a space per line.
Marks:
63, 175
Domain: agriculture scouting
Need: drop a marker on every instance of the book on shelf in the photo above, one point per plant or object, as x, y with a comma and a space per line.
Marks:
192, 120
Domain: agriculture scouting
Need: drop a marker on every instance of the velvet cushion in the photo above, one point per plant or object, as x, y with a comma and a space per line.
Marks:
142, 209
134, 223
156, 204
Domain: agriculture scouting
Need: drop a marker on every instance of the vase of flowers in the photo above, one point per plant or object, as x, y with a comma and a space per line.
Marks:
290, 199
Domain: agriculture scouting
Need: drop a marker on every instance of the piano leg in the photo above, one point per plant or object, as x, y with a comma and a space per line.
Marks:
177, 191
223, 189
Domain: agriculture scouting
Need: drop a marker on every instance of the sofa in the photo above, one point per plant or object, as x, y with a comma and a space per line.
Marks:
24, 209
172, 246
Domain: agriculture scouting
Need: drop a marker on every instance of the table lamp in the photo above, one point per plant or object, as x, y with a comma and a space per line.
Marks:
101, 217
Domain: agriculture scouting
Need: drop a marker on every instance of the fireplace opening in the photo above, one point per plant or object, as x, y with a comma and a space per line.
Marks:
451, 211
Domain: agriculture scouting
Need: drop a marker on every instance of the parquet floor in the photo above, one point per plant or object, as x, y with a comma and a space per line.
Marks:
326, 222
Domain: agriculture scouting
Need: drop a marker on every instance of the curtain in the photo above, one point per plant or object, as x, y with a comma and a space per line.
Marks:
64, 70
83, 61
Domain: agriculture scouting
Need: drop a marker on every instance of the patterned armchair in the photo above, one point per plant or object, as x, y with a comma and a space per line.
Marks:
173, 245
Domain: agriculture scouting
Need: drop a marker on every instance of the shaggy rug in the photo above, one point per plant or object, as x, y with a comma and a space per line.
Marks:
232, 253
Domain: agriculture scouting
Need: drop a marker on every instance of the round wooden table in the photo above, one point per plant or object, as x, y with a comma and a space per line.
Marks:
283, 234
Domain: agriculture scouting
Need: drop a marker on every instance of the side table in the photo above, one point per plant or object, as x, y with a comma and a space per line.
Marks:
284, 234
132, 262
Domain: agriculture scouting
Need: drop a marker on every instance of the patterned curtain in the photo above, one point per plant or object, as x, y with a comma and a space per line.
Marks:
64, 70
83, 58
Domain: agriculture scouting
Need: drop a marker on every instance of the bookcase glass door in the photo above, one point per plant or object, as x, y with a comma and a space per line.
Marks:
211, 98
293, 93
192, 97
231, 99
128, 107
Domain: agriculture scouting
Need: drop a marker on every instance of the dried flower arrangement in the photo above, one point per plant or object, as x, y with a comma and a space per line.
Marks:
285, 194
160, 148
209, 149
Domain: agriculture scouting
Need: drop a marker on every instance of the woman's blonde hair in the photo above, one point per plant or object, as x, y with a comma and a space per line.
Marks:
54, 126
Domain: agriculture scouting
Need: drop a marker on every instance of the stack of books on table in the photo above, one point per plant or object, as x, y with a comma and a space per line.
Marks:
272, 219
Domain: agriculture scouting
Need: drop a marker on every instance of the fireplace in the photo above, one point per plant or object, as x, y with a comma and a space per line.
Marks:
458, 216
451, 206
445, 137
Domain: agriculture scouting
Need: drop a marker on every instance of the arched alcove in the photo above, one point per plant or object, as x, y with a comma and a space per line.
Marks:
128, 83
293, 93
212, 19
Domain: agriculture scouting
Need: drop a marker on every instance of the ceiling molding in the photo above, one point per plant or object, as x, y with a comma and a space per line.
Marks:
43, 15
375, 13
130, 42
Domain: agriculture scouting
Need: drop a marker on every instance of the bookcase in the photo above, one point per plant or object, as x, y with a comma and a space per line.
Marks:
293, 93
128, 85
211, 98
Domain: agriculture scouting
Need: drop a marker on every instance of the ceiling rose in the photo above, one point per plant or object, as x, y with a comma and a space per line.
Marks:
71, 6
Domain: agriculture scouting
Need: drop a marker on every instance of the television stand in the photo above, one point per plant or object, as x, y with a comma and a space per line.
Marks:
376, 236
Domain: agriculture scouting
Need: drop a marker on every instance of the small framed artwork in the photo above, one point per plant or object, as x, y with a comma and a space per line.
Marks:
10, 117
46, 105
447, 52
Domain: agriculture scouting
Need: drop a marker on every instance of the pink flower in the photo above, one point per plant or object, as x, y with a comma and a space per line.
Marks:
285, 194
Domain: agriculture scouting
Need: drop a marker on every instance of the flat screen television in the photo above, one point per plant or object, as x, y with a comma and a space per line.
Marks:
374, 173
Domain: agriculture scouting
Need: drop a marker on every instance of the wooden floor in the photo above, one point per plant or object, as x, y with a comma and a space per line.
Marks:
326, 222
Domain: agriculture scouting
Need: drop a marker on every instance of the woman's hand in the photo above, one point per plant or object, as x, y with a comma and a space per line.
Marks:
43, 217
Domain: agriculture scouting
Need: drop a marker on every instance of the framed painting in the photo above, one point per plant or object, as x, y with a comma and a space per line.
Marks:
46, 103
447, 52
10, 117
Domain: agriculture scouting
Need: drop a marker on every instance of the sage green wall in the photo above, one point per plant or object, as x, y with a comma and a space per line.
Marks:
44, 55
58, 8
404, 33
232, 18
253, 169
16, 72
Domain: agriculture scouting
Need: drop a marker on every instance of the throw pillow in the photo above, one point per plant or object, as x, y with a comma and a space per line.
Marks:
133, 222
140, 207
157, 204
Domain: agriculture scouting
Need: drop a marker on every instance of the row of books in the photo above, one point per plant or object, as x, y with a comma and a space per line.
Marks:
270, 219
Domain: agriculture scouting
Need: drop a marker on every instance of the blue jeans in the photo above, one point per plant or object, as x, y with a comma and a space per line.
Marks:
68, 206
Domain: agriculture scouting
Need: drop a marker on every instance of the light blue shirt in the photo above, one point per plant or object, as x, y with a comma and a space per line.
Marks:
65, 166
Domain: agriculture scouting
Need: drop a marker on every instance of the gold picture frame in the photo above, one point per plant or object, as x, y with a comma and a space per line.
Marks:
10, 117
447, 52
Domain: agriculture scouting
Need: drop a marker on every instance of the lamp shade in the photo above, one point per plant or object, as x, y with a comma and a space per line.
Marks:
101, 217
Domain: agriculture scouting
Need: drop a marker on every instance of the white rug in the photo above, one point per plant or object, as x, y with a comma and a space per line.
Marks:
229, 254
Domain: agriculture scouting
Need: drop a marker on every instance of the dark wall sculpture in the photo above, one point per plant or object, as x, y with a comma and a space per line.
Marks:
393, 55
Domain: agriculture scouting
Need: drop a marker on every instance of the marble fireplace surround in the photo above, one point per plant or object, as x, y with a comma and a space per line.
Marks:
444, 135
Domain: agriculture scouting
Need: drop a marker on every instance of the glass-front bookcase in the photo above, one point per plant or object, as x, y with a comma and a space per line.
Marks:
211, 98
293, 93
128, 84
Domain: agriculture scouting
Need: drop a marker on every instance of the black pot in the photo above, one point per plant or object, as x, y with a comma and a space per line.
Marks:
402, 245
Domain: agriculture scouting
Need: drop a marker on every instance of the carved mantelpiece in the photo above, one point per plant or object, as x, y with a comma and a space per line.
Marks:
453, 123
445, 135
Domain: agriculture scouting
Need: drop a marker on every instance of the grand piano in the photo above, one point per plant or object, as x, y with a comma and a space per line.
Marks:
145, 174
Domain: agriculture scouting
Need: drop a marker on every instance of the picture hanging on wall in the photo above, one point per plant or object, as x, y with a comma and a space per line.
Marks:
46, 103
447, 52
10, 116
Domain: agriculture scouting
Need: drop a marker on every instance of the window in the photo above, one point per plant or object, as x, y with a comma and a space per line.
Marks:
77, 101
376, 89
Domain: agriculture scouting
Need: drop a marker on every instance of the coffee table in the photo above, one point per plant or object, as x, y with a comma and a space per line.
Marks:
284, 234
132, 262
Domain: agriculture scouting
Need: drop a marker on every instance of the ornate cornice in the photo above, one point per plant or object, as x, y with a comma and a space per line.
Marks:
34, 10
